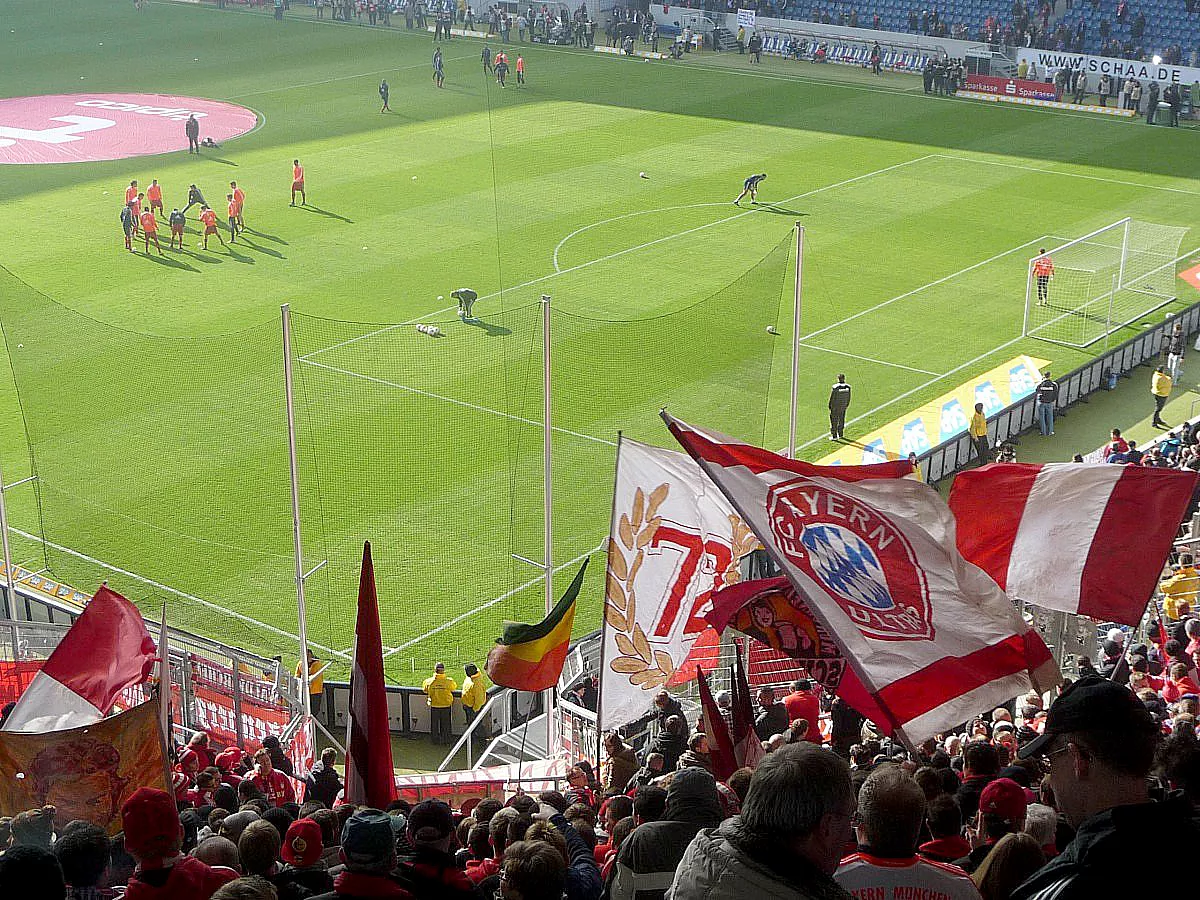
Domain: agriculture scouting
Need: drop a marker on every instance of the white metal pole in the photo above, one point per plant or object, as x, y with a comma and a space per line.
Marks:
796, 339
1124, 253
1112, 294
301, 610
547, 498
1028, 297
8, 566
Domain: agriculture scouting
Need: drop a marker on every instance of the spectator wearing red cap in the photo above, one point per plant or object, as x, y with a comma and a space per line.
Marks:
1002, 807
229, 762
154, 836
274, 785
302, 851
198, 744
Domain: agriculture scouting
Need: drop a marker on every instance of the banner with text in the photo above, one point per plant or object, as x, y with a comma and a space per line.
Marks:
746, 18
1011, 87
946, 417
1107, 65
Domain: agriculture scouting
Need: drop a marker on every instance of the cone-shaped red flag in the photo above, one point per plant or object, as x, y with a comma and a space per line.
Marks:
720, 744
746, 746
370, 780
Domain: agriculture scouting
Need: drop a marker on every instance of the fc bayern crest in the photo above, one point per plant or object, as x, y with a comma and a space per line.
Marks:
858, 556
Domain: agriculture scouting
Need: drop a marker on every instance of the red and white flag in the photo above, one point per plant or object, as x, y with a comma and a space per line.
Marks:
747, 748
930, 636
370, 780
107, 650
1088, 539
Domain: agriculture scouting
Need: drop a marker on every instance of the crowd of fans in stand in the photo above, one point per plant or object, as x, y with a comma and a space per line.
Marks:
1023, 803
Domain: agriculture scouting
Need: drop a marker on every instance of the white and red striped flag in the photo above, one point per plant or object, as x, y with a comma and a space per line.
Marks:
370, 778
106, 650
930, 636
1081, 538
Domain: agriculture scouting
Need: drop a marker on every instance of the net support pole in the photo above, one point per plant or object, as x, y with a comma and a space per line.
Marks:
1112, 297
1028, 297
796, 302
547, 498
293, 468
11, 597
1124, 254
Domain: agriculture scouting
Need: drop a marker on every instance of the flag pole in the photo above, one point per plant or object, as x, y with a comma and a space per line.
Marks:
164, 678
547, 496
796, 298
301, 610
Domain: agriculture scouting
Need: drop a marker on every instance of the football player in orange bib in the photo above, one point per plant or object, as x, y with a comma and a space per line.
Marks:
1043, 271
150, 230
209, 218
298, 183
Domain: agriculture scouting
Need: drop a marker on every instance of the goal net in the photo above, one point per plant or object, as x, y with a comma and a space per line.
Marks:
1082, 290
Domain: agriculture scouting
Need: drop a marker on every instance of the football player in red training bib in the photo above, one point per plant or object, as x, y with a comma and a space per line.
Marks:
1043, 271
209, 218
154, 195
150, 230
298, 182
239, 197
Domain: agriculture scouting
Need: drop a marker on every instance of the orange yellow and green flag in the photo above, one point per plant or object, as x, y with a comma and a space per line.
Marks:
531, 657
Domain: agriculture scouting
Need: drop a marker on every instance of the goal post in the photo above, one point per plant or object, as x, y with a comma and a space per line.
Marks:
1082, 290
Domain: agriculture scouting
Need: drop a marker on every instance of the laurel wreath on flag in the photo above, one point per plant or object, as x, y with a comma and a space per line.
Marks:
646, 667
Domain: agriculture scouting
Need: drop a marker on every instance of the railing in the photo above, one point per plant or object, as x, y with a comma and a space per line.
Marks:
955, 454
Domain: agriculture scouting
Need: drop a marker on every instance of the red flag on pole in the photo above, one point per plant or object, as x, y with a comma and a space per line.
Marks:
107, 650
747, 749
370, 780
720, 743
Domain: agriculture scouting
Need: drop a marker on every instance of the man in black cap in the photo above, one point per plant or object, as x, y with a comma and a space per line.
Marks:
369, 855
430, 871
1097, 750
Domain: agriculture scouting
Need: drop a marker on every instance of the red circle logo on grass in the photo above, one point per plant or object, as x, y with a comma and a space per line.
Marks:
68, 128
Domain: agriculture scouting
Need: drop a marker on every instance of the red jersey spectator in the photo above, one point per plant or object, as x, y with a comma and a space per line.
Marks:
275, 786
1179, 684
803, 703
198, 744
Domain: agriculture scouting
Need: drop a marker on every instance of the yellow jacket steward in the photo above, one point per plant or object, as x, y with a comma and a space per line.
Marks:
474, 692
440, 690
1160, 384
978, 425
1182, 587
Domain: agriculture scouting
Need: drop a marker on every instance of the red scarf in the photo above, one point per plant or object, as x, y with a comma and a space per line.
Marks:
360, 884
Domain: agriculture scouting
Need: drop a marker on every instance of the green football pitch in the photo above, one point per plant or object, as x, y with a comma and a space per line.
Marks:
147, 394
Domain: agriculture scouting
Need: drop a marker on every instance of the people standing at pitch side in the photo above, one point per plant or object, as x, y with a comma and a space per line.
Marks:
440, 688
979, 435
1160, 390
1046, 398
839, 402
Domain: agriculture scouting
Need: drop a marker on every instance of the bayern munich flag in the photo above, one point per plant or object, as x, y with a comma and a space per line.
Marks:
930, 636
1081, 538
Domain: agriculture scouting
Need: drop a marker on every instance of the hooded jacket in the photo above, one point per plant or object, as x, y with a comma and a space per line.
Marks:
187, 879
721, 864
648, 858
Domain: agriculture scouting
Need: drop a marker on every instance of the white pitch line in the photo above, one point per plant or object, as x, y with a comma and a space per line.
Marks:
870, 359
630, 215
170, 590
462, 617
959, 368
619, 253
308, 84
475, 406
1040, 171
942, 280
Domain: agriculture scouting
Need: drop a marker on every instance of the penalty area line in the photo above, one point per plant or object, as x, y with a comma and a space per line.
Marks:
475, 406
462, 617
642, 246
